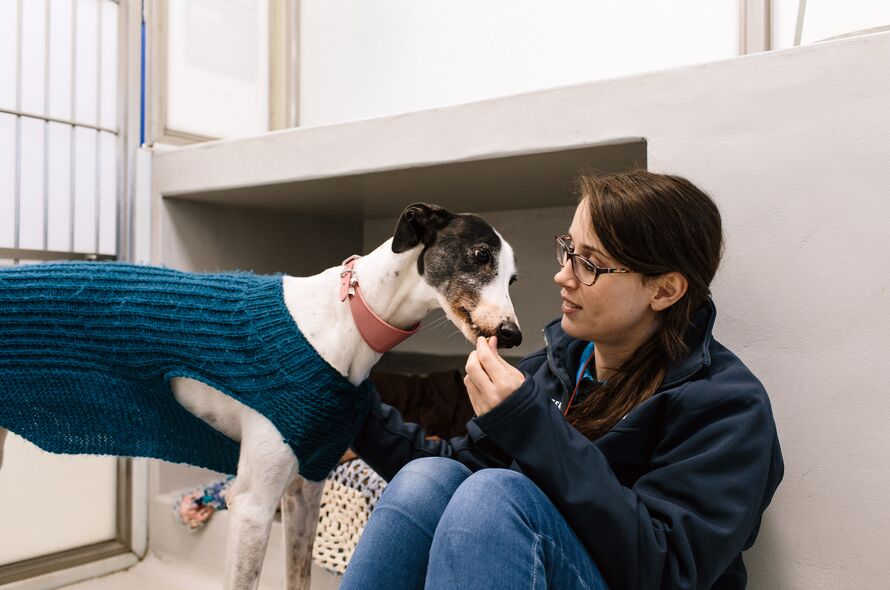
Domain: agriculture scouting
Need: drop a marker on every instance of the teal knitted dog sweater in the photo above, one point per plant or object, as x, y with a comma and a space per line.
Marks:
87, 351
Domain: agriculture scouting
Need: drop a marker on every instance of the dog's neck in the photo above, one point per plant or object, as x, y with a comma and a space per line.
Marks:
393, 289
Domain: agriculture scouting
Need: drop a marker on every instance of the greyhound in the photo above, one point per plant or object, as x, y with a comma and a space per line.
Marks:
435, 259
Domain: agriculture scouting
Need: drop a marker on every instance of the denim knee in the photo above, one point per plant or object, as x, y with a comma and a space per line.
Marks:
489, 495
501, 528
424, 481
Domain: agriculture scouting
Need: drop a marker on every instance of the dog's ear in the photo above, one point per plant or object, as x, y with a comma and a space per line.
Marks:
418, 224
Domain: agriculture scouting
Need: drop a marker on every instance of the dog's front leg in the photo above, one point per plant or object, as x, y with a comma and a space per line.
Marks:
299, 519
265, 466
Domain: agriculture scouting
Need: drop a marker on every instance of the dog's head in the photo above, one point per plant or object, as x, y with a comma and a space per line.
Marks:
468, 264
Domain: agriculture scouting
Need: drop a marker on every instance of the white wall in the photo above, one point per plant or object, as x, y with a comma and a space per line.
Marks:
793, 147
38, 491
363, 59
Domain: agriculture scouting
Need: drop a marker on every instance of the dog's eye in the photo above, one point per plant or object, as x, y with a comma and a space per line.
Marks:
481, 256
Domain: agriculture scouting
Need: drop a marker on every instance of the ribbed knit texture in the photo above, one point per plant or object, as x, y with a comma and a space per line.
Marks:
87, 351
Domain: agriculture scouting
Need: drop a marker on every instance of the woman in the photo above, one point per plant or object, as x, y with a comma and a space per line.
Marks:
634, 451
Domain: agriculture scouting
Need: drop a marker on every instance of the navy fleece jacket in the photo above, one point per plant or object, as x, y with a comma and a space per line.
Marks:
668, 498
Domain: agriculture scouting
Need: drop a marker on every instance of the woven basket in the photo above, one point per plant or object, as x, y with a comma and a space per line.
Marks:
349, 496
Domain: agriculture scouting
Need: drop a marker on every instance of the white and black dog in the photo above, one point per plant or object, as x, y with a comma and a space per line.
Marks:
435, 259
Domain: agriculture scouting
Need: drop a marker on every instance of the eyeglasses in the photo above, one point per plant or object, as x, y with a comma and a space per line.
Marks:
585, 271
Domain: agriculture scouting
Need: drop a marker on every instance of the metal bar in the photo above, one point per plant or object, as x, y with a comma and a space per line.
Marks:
18, 181
97, 195
126, 496
97, 188
755, 33
124, 218
18, 125
44, 564
25, 254
293, 63
124, 491
19, 18
55, 119
798, 29
73, 154
46, 90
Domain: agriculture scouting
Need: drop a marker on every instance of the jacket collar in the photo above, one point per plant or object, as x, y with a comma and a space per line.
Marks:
565, 351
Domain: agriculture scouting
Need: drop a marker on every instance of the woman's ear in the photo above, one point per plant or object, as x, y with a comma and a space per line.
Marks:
667, 290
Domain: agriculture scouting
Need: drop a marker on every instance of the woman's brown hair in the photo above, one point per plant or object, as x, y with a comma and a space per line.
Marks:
652, 224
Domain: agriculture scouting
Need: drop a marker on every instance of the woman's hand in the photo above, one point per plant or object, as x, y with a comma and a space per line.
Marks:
490, 379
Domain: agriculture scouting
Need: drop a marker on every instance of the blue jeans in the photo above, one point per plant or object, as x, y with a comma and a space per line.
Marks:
439, 526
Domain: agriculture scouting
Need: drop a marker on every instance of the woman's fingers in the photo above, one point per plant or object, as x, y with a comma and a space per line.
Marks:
472, 391
476, 396
489, 359
474, 368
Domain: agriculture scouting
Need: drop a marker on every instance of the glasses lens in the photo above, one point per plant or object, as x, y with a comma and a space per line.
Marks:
583, 271
561, 252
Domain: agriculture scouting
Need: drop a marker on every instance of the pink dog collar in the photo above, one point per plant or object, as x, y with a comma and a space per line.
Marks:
379, 335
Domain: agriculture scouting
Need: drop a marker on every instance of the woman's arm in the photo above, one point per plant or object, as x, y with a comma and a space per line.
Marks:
683, 522
386, 442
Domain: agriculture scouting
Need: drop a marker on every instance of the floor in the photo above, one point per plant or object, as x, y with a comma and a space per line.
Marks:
158, 573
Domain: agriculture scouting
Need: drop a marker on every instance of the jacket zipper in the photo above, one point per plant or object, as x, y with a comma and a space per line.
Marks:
552, 364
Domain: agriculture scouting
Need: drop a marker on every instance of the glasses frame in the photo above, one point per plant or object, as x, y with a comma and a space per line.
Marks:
563, 244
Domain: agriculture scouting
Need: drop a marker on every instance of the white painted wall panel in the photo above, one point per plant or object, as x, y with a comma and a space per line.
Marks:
8, 53
32, 195
59, 197
107, 193
52, 502
7, 180
784, 21
87, 61
84, 190
34, 56
108, 74
60, 58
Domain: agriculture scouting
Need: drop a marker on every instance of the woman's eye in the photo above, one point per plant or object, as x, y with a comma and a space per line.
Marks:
481, 256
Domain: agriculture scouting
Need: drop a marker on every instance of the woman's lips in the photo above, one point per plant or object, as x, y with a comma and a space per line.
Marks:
569, 307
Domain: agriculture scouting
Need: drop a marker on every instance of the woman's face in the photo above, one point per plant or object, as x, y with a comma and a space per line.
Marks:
615, 310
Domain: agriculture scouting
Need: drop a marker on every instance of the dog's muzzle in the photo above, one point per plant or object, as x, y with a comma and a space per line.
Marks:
509, 335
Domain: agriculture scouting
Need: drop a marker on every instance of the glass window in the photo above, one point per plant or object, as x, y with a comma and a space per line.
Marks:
362, 59
824, 19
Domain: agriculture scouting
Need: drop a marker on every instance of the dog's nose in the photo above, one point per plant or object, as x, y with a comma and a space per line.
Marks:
509, 335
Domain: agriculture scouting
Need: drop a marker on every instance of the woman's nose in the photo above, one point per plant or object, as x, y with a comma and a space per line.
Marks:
566, 277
